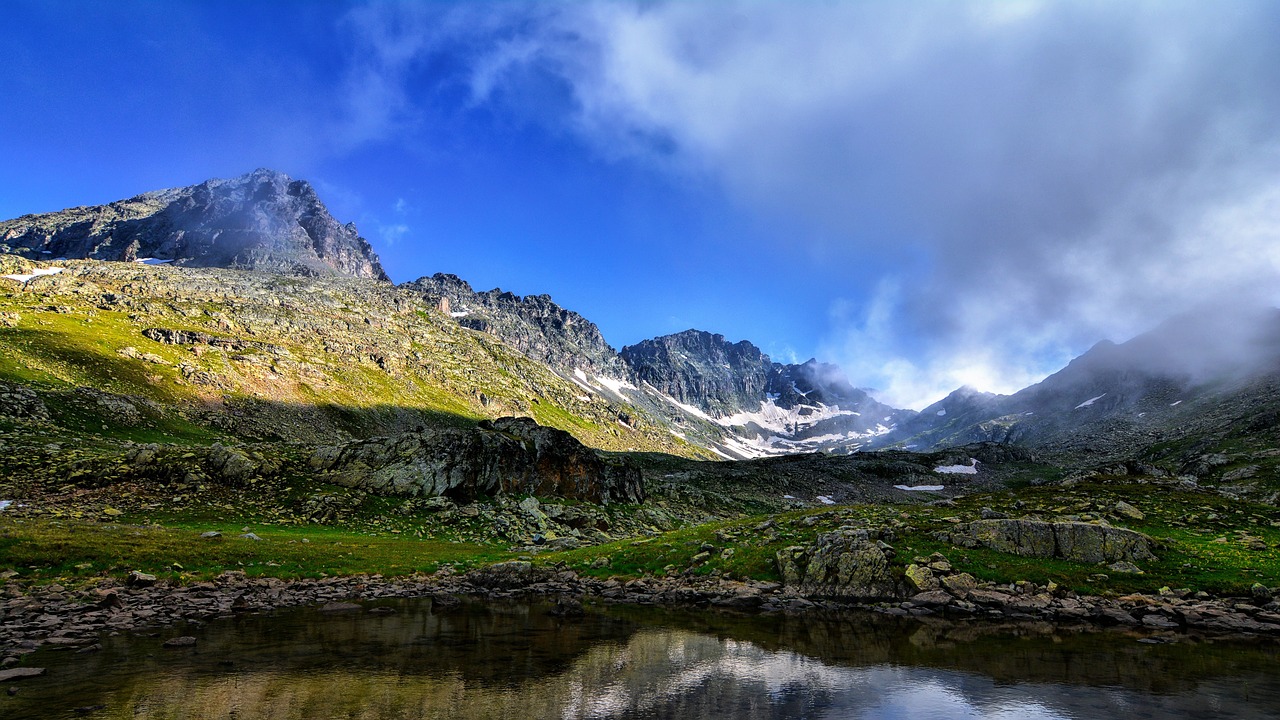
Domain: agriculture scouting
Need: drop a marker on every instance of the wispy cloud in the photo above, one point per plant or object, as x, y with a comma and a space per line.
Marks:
1043, 173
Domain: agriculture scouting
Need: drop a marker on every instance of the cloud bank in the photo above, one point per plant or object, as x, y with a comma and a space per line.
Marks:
1034, 176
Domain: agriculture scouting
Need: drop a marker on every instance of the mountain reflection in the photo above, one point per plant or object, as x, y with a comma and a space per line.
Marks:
516, 661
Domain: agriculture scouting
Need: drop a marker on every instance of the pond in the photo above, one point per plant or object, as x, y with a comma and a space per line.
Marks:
515, 660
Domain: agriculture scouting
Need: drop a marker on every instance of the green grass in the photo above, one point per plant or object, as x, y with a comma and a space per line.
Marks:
1188, 557
70, 550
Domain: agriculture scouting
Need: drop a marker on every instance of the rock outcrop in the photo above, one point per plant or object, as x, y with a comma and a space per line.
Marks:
1078, 541
841, 564
534, 324
264, 220
505, 456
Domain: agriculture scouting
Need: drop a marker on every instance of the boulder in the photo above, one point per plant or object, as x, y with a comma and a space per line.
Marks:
1078, 541
844, 564
920, 578
509, 575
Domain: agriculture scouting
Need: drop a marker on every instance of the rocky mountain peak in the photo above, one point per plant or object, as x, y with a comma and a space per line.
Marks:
702, 369
263, 220
534, 324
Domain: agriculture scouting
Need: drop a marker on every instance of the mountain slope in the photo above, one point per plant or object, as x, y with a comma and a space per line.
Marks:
136, 351
1114, 399
260, 221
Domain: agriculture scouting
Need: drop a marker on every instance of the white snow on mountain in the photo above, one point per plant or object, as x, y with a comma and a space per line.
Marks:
970, 469
1089, 402
784, 421
37, 272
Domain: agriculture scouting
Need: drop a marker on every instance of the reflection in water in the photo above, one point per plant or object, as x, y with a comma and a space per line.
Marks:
515, 661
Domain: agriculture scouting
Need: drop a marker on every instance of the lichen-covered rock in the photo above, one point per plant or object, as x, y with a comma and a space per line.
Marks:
505, 456
1078, 541
844, 563
920, 578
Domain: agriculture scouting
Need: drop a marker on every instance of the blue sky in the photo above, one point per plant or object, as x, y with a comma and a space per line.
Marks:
929, 194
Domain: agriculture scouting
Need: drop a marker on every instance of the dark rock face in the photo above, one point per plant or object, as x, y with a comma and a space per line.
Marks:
533, 324
701, 369
1078, 541
505, 456
260, 221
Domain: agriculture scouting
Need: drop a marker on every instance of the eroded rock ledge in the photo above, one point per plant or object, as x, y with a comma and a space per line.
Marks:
504, 456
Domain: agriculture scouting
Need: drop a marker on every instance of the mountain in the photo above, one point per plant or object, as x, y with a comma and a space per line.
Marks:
264, 221
1116, 398
771, 407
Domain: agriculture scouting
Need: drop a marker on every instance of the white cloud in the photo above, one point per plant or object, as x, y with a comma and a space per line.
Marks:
392, 234
1044, 173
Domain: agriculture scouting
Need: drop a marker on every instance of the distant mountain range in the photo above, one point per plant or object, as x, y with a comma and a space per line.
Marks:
1203, 372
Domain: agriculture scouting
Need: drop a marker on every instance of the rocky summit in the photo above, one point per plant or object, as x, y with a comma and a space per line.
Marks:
264, 220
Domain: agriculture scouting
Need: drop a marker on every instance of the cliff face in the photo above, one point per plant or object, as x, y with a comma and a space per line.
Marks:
264, 221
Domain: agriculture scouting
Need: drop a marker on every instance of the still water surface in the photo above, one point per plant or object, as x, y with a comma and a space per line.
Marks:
502, 660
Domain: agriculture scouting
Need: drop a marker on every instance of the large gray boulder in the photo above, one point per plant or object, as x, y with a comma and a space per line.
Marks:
503, 456
1078, 541
843, 564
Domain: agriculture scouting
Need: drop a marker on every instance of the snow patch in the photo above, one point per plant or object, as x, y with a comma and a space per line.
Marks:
1089, 402
781, 420
826, 500
696, 412
970, 469
28, 277
152, 261
459, 313
616, 386
919, 488
5, 503
942, 412
1172, 404
788, 497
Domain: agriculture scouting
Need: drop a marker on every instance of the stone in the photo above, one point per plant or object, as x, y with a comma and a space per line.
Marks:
1123, 566
1069, 540
20, 673
251, 536
509, 575
959, 584
932, 598
920, 578
838, 564
139, 579
211, 534
1124, 509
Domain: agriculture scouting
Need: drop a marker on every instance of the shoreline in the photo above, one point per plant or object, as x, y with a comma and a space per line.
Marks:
51, 616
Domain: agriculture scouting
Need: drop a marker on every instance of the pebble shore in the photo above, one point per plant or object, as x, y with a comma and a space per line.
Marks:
53, 616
